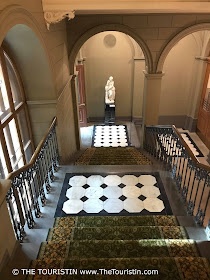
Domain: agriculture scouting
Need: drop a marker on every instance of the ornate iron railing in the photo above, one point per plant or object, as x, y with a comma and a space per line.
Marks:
31, 182
192, 178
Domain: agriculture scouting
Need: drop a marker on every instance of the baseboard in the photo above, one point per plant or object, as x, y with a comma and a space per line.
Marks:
190, 124
181, 121
124, 118
137, 121
95, 119
101, 119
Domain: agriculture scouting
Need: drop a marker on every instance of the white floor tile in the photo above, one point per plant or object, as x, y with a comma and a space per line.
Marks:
131, 191
153, 204
95, 180
112, 180
147, 180
150, 191
72, 206
112, 192
93, 206
94, 192
130, 180
113, 205
75, 193
77, 181
133, 205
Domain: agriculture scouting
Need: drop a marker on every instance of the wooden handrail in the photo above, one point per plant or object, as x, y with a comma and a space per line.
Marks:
34, 156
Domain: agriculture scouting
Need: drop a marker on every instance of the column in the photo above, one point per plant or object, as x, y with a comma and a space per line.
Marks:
152, 93
138, 89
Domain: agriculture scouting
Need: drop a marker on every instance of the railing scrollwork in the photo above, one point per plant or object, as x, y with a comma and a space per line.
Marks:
31, 183
192, 177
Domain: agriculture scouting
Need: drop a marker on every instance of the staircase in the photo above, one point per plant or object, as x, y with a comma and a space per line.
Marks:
156, 246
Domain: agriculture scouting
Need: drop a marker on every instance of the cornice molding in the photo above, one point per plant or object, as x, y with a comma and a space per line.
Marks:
127, 6
52, 17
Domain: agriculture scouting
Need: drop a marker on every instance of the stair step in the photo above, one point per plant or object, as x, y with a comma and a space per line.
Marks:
99, 221
118, 248
179, 268
117, 233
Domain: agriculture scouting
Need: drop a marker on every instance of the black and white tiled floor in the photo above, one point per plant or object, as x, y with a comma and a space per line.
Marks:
110, 136
104, 194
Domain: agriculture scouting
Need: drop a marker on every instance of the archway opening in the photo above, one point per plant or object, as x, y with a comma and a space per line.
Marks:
116, 54
184, 69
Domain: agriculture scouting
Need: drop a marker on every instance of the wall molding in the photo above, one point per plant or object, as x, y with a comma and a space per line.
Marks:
139, 58
202, 58
41, 102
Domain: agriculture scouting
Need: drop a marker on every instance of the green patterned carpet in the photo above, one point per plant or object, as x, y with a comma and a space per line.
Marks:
112, 156
121, 243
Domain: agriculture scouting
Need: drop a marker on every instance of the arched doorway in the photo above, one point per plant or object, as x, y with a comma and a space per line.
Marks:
110, 53
182, 84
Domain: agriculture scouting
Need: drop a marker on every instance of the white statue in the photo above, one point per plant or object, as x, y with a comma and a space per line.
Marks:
110, 91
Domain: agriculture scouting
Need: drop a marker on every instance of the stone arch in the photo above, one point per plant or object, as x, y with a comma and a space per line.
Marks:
15, 15
21, 35
176, 39
110, 27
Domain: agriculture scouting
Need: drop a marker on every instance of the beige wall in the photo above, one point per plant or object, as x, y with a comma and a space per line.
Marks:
102, 61
183, 79
42, 59
7, 237
176, 81
156, 30
66, 130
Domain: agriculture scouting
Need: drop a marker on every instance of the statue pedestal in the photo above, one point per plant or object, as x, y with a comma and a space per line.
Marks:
109, 113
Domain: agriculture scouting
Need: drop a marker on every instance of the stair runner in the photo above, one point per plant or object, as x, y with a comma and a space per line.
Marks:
123, 243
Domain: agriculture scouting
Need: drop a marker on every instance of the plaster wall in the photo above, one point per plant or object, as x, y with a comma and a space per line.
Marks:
42, 60
125, 62
178, 68
103, 61
183, 80
7, 237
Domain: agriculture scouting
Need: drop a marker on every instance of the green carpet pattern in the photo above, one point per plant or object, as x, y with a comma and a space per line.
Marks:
121, 243
116, 233
118, 248
112, 156
184, 268
110, 221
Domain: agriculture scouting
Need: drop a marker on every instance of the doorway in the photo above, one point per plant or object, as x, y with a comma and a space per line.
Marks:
81, 95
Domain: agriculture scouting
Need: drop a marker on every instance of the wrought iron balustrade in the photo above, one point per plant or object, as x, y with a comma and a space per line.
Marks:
192, 178
31, 183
